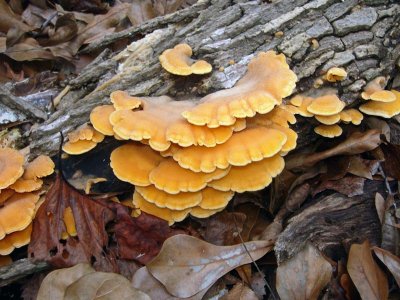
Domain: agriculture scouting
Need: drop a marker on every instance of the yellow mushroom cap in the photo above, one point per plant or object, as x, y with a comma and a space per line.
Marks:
302, 103
199, 212
5, 195
336, 74
162, 199
278, 116
122, 100
177, 61
329, 131
296, 100
213, 199
328, 120
383, 96
355, 115
83, 132
79, 147
99, 117
266, 82
173, 179
69, 221
17, 213
11, 166
133, 163
98, 137
373, 86
345, 116
26, 185
41, 166
326, 105
382, 109
251, 144
160, 122
15, 239
171, 216
253, 177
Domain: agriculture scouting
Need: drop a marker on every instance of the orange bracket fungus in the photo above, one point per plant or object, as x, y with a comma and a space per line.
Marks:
177, 61
335, 74
11, 166
374, 90
82, 140
382, 109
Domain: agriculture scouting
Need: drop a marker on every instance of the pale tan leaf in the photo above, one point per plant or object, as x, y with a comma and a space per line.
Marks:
357, 143
104, 286
54, 284
391, 261
186, 265
240, 292
304, 275
369, 279
380, 206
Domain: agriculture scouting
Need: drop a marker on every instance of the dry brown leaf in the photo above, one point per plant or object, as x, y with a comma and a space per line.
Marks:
391, 261
380, 206
363, 167
187, 265
240, 292
350, 186
303, 276
55, 283
370, 280
357, 143
9, 19
144, 281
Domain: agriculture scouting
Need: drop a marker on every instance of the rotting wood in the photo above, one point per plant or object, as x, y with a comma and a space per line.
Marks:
20, 269
363, 39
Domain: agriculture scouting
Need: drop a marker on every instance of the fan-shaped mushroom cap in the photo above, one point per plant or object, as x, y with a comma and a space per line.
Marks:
122, 100
41, 166
162, 199
161, 123
326, 105
383, 96
266, 82
382, 109
171, 216
171, 178
328, 120
177, 61
11, 166
345, 116
336, 74
253, 177
69, 221
329, 131
251, 144
355, 115
373, 86
302, 103
213, 199
291, 137
79, 147
15, 239
199, 212
99, 117
23, 185
17, 213
6, 194
133, 163
278, 116
83, 132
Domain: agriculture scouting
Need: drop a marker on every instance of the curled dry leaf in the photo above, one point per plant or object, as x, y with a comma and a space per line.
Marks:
304, 275
380, 206
391, 261
355, 144
350, 186
187, 265
240, 292
370, 280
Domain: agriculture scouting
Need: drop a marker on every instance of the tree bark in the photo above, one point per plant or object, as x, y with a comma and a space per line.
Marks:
361, 36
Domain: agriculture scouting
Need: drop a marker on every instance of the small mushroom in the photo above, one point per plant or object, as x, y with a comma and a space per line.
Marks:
78, 147
41, 166
329, 131
374, 90
177, 61
213, 199
328, 120
11, 166
84, 139
301, 103
335, 74
15, 239
69, 221
122, 100
354, 116
199, 212
26, 185
327, 105
100, 119
382, 109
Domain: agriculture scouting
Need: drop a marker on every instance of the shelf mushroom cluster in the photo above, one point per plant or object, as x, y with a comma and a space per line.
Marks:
20, 185
381, 103
190, 157
327, 110
83, 139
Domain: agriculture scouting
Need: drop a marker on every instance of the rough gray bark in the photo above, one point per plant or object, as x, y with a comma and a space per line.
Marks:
361, 36
20, 269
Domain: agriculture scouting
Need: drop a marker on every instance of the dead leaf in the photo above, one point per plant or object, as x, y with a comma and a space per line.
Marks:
240, 292
304, 275
55, 283
187, 265
363, 167
380, 206
9, 19
379, 124
358, 142
140, 238
91, 217
350, 186
370, 280
101, 285
391, 165
391, 261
